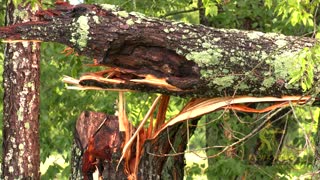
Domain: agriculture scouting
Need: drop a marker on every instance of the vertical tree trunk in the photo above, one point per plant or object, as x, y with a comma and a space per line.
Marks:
202, 14
21, 83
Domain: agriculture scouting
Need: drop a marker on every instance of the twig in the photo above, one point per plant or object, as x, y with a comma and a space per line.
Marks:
254, 132
181, 12
308, 143
281, 141
211, 121
170, 141
315, 22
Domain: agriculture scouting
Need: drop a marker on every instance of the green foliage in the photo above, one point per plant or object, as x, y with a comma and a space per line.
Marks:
32, 3
152, 8
296, 11
307, 61
260, 157
210, 7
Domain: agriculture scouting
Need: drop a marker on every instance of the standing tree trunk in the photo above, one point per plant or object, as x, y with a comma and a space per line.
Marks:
21, 149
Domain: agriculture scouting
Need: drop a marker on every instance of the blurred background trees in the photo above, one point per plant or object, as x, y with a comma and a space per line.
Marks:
283, 149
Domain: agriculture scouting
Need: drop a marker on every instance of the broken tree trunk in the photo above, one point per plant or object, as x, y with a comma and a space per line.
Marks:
154, 55
163, 157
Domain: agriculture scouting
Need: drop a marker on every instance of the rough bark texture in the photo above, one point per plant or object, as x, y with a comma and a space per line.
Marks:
154, 163
194, 60
21, 150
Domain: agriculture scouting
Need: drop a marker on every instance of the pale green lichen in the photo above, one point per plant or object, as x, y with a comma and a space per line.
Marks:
166, 30
25, 44
13, 140
206, 45
138, 15
130, 22
34, 47
281, 43
81, 35
123, 14
284, 64
233, 59
20, 14
262, 88
268, 82
11, 169
20, 113
243, 86
108, 7
139, 21
96, 19
27, 125
21, 146
216, 39
30, 85
254, 35
171, 29
179, 51
186, 31
206, 58
223, 82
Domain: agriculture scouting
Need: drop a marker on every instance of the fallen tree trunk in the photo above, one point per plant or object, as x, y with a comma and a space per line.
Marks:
154, 55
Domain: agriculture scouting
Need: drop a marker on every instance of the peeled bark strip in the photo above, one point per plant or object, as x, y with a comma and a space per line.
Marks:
154, 55
21, 82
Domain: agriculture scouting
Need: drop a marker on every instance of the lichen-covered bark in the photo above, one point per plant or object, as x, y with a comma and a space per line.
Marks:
21, 149
197, 60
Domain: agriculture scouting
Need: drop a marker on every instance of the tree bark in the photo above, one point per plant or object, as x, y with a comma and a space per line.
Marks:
173, 58
21, 149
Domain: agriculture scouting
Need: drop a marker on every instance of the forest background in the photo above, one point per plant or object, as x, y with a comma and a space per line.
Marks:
283, 149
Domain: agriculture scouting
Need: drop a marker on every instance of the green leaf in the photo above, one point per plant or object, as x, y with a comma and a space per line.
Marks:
211, 9
268, 3
294, 18
303, 86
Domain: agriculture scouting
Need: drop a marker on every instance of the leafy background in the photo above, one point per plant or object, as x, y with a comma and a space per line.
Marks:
261, 157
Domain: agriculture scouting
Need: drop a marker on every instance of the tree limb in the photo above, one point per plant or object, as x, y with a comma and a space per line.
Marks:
154, 55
